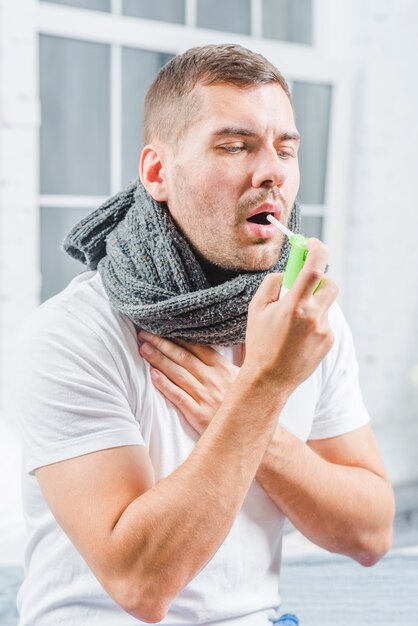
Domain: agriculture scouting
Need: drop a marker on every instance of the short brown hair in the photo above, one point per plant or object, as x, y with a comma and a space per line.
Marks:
170, 106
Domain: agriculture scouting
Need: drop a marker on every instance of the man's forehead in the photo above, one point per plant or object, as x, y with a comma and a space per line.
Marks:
225, 107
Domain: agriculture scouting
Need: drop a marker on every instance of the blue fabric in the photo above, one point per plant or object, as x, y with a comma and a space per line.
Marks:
288, 619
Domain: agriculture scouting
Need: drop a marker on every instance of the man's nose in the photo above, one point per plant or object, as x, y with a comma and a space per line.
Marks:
270, 171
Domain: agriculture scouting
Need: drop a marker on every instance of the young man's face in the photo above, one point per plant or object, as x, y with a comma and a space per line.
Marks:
239, 157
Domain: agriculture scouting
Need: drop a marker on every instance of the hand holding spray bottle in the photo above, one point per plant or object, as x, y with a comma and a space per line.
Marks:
297, 256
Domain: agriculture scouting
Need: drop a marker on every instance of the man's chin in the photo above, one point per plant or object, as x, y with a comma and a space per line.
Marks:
249, 261
252, 267
253, 263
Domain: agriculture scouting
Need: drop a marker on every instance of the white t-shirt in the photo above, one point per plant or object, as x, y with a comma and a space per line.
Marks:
81, 387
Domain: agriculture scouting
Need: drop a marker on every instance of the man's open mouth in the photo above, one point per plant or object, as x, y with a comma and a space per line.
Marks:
260, 218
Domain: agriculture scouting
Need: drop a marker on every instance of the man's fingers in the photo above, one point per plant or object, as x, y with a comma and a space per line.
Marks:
326, 293
318, 254
206, 354
178, 374
173, 351
181, 351
268, 290
313, 270
181, 400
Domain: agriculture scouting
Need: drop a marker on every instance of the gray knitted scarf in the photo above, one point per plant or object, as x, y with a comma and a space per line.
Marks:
151, 274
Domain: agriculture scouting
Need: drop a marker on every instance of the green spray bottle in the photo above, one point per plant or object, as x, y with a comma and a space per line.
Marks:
297, 256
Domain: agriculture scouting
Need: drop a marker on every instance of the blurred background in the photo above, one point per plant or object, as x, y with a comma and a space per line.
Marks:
73, 74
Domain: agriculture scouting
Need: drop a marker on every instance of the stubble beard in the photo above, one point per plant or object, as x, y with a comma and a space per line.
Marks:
226, 253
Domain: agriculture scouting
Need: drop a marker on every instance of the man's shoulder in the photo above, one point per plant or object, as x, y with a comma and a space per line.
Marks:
81, 311
84, 295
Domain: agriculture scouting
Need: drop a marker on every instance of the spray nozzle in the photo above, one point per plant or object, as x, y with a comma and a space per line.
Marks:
297, 256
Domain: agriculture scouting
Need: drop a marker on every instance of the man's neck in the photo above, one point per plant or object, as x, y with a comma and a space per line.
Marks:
215, 274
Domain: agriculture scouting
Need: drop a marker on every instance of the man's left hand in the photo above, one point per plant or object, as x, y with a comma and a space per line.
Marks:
194, 378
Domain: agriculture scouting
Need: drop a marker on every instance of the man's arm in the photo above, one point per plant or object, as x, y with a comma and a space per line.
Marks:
144, 541
335, 491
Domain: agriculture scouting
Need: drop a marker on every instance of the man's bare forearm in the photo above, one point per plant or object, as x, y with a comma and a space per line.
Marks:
166, 536
343, 509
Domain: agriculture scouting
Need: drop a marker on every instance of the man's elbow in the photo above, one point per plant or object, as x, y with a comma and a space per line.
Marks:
143, 601
370, 554
374, 545
149, 611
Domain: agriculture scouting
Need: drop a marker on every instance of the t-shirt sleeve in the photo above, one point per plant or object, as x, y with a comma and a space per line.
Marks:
71, 397
340, 408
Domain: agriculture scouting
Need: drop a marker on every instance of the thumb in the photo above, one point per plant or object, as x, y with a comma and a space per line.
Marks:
268, 291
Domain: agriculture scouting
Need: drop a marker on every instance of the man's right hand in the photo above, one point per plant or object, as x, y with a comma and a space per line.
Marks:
287, 339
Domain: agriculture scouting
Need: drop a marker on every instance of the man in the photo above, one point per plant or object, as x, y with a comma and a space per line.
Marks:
157, 479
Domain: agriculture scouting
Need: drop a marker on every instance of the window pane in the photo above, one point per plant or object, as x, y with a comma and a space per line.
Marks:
312, 225
288, 20
313, 108
233, 16
139, 68
75, 130
164, 10
99, 5
57, 267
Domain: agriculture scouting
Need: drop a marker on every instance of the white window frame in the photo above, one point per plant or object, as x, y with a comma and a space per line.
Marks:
316, 63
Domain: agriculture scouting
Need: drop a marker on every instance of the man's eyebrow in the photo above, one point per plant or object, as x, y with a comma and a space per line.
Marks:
289, 136
232, 130
246, 132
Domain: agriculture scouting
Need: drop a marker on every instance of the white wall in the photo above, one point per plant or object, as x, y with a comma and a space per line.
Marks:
381, 295
19, 275
19, 120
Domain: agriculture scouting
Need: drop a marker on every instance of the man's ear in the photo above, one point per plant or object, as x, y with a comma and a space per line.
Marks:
150, 173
